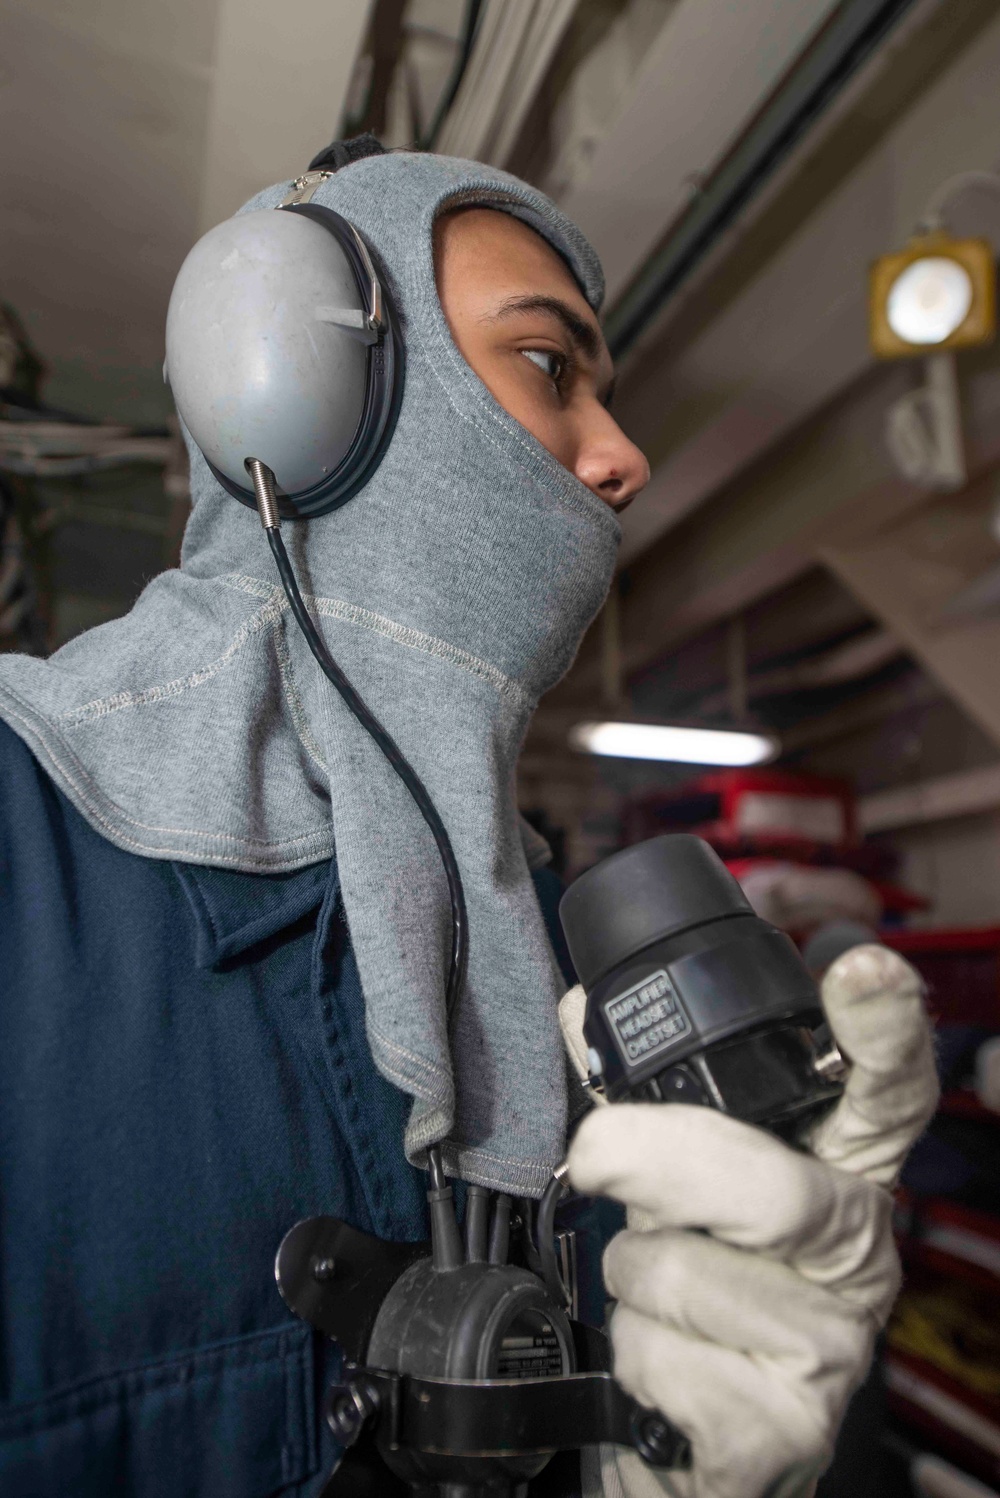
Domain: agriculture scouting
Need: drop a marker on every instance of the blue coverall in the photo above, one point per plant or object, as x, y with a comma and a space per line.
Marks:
184, 1074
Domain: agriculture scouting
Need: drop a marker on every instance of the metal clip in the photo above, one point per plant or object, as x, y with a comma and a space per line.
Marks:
303, 188
374, 286
566, 1255
302, 191
831, 1064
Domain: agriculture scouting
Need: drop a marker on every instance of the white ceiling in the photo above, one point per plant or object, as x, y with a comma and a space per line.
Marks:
126, 128
278, 87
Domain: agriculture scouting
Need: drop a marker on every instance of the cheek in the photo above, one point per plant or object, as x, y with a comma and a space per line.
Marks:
512, 382
546, 423
557, 435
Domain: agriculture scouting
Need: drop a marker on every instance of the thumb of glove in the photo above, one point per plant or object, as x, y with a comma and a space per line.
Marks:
874, 1001
572, 1012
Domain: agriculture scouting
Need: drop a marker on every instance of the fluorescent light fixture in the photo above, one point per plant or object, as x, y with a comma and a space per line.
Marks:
673, 743
929, 300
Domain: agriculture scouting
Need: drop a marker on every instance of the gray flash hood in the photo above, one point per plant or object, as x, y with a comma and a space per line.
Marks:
454, 590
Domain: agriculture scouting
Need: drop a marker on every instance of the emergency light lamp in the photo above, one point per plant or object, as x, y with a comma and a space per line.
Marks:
938, 293
673, 743
929, 300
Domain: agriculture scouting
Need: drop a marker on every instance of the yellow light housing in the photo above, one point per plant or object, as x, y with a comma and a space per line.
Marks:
938, 293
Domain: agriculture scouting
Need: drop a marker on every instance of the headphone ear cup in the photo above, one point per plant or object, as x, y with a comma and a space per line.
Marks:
270, 355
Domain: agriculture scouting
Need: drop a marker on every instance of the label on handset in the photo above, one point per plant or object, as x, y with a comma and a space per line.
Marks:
646, 1019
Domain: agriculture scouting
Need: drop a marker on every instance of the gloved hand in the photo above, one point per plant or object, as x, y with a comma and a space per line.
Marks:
753, 1278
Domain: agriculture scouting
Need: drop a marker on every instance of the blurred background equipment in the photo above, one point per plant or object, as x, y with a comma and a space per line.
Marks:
63, 477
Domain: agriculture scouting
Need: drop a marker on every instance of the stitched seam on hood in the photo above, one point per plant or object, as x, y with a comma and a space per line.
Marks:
120, 838
477, 1152
401, 634
415, 639
383, 1040
295, 706
102, 707
436, 1091
469, 1163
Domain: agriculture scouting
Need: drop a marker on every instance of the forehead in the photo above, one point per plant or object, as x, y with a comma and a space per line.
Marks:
492, 249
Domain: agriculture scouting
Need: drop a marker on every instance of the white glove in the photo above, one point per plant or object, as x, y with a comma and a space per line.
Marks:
748, 1306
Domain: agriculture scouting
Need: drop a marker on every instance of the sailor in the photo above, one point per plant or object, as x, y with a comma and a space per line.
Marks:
225, 932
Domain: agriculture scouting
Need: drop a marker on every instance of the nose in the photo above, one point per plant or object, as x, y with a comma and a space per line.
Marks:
610, 465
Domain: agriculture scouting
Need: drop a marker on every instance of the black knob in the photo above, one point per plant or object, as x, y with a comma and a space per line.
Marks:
658, 1442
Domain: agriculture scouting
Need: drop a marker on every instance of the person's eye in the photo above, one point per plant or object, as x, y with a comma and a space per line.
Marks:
550, 363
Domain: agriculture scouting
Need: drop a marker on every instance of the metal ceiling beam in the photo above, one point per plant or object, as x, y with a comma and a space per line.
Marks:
847, 41
701, 82
906, 574
514, 45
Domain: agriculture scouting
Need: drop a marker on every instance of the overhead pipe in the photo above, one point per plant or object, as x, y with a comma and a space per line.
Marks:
849, 39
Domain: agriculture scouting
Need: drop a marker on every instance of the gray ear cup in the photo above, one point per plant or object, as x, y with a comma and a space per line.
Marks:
283, 345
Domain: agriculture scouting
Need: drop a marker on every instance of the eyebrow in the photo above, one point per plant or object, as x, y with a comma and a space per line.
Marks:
583, 334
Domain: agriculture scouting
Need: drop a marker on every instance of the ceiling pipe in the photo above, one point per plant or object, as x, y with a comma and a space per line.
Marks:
856, 658
851, 36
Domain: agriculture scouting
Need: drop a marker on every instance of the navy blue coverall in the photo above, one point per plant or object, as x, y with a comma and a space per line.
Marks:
184, 1074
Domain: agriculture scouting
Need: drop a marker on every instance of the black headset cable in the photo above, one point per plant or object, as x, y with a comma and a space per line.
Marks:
267, 508
546, 1231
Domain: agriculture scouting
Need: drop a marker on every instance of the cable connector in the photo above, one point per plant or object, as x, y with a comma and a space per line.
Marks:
447, 1251
263, 488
